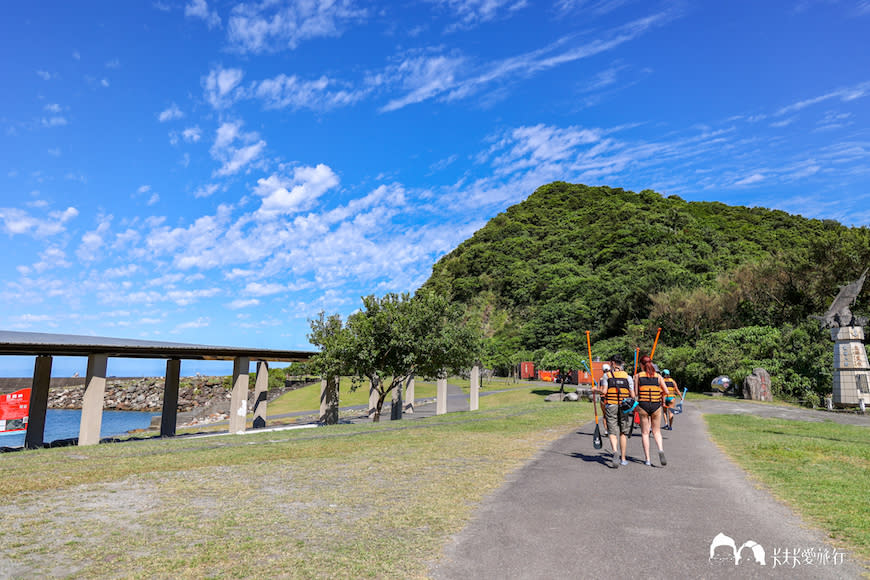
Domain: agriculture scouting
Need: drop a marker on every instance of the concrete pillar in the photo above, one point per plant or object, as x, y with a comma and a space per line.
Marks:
92, 401
373, 400
441, 396
239, 397
409, 395
169, 417
474, 401
261, 388
396, 407
34, 437
329, 400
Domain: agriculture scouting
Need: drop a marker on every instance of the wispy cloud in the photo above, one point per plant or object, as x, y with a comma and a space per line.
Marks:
199, 9
170, 114
295, 93
263, 27
471, 13
845, 94
450, 78
221, 86
235, 149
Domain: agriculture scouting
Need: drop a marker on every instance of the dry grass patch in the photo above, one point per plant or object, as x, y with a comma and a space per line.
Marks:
375, 500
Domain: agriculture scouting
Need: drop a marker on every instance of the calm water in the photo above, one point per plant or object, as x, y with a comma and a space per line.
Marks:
63, 424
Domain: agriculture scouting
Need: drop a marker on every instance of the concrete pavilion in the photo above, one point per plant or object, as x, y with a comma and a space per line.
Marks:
99, 349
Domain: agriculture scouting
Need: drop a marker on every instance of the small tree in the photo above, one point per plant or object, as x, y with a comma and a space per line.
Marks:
565, 361
392, 339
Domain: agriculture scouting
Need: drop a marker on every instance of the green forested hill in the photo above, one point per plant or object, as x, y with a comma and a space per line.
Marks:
572, 258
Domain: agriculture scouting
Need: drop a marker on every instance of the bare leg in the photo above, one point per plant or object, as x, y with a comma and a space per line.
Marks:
644, 433
623, 442
656, 420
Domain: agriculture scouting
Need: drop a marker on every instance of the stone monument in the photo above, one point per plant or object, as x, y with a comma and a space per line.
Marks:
851, 368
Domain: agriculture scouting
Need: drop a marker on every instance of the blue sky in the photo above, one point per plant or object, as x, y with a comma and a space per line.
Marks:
218, 172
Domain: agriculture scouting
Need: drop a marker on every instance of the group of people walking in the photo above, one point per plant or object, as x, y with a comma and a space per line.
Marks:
650, 393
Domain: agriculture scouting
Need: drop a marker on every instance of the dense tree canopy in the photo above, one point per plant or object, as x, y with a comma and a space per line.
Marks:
573, 257
393, 338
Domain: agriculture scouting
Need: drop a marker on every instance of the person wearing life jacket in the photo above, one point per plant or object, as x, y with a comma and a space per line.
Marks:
651, 392
671, 399
614, 387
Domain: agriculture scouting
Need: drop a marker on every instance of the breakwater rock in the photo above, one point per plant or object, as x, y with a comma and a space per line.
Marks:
144, 394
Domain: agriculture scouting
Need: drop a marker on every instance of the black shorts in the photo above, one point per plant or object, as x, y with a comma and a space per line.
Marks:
650, 407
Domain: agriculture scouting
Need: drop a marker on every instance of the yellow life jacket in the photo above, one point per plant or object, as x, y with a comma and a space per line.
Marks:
672, 387
617, 387
648, 388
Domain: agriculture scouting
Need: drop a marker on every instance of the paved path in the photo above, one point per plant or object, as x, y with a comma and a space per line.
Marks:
568, 515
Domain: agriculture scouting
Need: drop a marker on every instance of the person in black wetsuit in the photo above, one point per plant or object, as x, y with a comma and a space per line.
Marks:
651, 392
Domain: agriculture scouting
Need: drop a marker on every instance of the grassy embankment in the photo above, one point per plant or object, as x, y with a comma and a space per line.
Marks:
822, 470
370, 500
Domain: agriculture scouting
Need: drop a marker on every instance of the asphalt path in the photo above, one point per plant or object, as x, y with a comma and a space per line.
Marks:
568, 514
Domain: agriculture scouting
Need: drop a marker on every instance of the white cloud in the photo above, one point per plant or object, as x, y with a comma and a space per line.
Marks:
104, 82
449, 78
199, 9
50, 258
53, 108
845, 94
271, 26
192, 134
206, 190
424, 78
153, 199
54, 151
143, 189
170, 114
45, 75
200, 322
470, 13
15, 221
93, 241
56, 121
241, 303
286, 195
114, 63
187, 297
258, 289
232, 157
292, 92
750, 179
221, 86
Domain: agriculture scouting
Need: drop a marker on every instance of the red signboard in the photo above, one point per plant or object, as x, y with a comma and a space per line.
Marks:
14, 410
527, 370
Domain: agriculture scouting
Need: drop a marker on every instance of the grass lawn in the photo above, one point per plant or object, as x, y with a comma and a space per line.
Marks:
308, 398
368, 500
821, 469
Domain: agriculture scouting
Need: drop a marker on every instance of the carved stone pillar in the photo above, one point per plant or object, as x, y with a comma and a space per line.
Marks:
851, 368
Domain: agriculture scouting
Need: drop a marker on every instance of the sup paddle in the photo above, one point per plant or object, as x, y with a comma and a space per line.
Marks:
680, 404
596, 436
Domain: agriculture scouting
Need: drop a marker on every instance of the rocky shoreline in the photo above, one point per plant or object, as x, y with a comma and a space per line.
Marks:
201, 399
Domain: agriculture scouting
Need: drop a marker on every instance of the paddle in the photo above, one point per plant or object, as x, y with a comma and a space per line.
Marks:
636, 414
596, 436
680, 404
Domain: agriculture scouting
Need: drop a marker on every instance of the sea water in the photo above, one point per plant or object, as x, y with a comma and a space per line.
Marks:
65, 423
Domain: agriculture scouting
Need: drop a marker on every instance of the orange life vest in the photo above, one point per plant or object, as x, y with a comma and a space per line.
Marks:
672, 387
648, 388
617, 387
